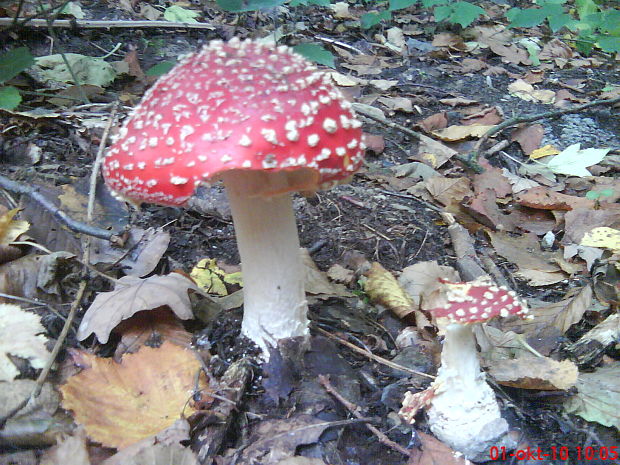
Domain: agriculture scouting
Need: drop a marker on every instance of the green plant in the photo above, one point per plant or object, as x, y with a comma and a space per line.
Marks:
454, 12
594, 25
12, 63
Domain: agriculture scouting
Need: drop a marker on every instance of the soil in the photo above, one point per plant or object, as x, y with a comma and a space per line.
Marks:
362, 219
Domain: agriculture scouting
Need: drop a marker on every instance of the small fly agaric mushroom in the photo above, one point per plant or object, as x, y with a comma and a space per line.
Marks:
265, 121
462, 409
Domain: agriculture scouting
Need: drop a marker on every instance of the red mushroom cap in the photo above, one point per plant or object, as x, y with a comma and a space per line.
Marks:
235, 106
478, 301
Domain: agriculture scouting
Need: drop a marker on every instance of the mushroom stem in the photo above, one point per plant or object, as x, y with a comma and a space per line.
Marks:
275, 304
464, 412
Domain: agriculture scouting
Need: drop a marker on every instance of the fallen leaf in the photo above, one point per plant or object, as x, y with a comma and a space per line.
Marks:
122, 403
489, 116
573, 160
606, 238
545, 151
340, 274
212, 279
483, 207
69, 450
374, 142
542, 373
88, 70
528, 137
598, 396
518, 183
341, 10
20, 336
457, 133
10, 228
160, 454
527, 92
421, 279
433, 153
132, 295
449, 191
546, 199
434, 122
434, 452
397, 103
492, 178
274, 440
382, 84
316, 281
525, 252
383, 288
580, 221
150, 328
12, 393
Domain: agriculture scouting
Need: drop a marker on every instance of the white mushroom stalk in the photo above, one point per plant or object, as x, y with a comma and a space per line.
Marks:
462, 409
274, 304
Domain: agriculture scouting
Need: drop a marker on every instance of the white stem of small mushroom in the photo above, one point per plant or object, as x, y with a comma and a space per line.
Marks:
275, 304
464, 413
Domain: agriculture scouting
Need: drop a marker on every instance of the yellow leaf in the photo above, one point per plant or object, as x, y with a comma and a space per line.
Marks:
11, 229
455, 133
211, 278
544, 152
382, 288
607, 238
122, 403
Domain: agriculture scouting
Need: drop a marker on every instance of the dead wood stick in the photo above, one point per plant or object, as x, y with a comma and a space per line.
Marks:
355, 411
91, 24
372, 356
73, 225
213, 428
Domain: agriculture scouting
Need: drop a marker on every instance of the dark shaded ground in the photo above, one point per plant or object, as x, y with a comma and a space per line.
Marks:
358, 218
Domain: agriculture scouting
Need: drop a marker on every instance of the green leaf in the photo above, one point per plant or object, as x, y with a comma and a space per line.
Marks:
401, 4
609, 44
160, 68
239, 6
465, 13
611, 22
73, 9
316, 53
431, 3
369, 20
88, 70
558, 22
180, 15
529, 17
9, 98
14, 62
586, 7
442, 13
573, 161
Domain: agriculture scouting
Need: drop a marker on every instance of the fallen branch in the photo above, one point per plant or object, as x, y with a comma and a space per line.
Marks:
91, 24
473, 156
73, 225
355, 410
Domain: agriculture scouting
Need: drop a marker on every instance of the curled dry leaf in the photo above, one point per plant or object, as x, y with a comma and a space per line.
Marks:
132, 295
122, 403
20, 336
542, 373
382, 288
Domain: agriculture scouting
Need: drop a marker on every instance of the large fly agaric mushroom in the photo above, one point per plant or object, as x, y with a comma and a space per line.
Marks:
462, 409
265, 121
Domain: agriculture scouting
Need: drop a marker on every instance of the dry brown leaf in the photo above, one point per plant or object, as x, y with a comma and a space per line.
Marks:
160, 454
542, 373
527, 92
421, 279
374, 142
139, 257
340, 274
546, 199
581, 220
432, 152
492, 178
382, 288
529, 137
316, 281
397, 103
540, 278
525, 252
434, 452
122, 403
449, 191
276, 440
555, 48
150, 327
483, 207
132, 295
457, 133
449, 40
488, 116
434, 122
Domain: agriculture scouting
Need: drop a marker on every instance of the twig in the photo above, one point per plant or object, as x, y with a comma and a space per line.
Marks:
473, 156
73, 225
390, 124
354, 409
413, 197
372, 356
91, 24
466, 257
